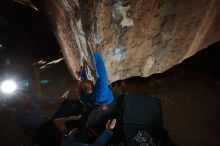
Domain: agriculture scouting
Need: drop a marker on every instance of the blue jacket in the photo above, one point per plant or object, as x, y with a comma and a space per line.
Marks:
101, 92
100, 141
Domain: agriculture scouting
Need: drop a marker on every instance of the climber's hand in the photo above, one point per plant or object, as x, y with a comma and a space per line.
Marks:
110, 125
77, 76
92, 42
74, 131
73, 118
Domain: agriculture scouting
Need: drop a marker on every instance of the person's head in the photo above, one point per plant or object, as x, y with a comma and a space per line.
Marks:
49, 135
86, 86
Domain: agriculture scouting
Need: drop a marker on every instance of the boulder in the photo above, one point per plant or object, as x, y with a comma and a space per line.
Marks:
135, 37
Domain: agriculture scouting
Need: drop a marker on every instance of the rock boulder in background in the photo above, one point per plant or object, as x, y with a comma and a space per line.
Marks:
136, 37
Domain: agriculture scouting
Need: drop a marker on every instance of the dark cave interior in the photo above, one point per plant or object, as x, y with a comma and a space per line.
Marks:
189, 91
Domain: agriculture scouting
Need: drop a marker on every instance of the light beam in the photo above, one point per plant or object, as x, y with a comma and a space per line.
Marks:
8, 87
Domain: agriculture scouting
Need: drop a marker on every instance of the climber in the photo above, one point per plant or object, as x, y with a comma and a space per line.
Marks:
97, 94
99, 91
53, 133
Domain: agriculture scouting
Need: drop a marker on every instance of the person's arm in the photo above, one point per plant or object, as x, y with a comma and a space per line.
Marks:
101, 72
83, 75
101, 90
70, 118
103, 138
101, 93
100, 141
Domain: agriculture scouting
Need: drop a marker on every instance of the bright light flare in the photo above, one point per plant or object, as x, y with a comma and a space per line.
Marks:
8, 86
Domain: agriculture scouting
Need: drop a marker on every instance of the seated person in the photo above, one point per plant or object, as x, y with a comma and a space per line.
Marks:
29, 116
28, 113
52, 133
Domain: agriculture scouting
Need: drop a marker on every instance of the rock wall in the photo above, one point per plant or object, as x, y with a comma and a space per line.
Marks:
135, 37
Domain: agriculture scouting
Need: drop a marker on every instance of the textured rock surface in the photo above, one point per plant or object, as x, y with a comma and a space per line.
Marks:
137, 37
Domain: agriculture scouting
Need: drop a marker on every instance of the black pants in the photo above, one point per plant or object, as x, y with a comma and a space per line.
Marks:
100, 114
98, 117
